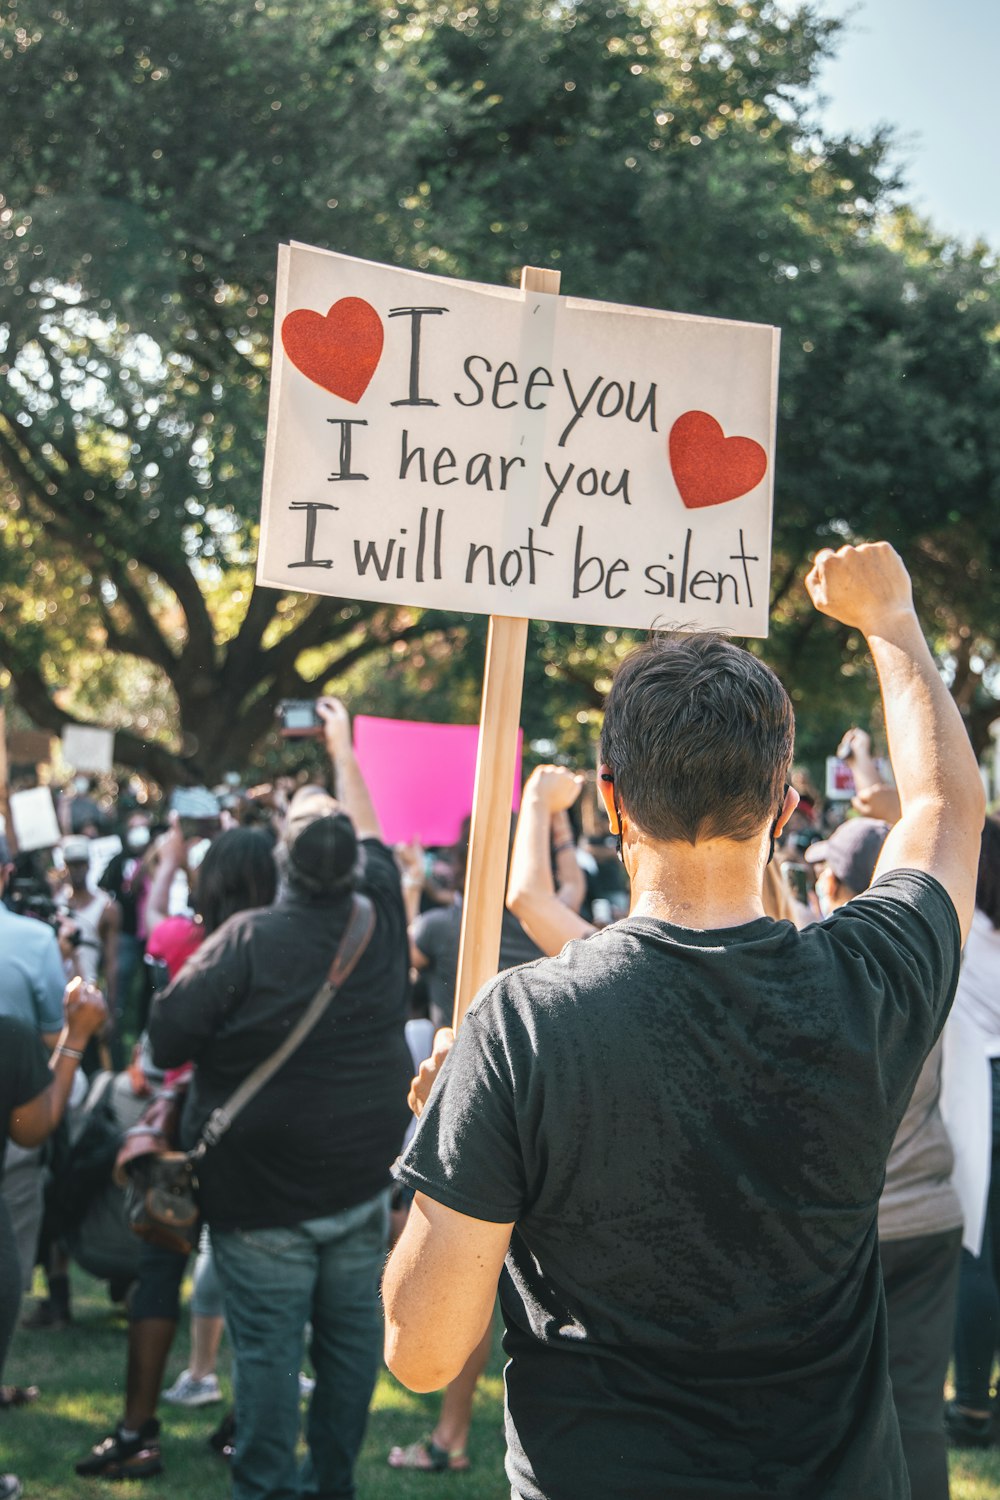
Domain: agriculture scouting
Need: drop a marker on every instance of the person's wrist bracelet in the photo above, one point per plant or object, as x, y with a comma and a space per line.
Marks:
561, 848
62, 1050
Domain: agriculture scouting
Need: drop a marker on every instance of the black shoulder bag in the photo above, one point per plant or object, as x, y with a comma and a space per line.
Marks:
162, 1186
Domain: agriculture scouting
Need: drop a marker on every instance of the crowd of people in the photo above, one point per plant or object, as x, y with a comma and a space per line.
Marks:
710, 1130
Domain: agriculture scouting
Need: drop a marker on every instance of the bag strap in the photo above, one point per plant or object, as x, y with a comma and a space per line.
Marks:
357, 935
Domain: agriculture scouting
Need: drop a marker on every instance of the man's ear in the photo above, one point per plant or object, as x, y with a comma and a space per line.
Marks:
789, 805
606, 787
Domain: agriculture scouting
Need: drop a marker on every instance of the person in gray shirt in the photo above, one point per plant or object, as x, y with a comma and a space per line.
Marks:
919, 1215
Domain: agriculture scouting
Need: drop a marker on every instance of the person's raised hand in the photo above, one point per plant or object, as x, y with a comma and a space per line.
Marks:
336, 727
866, 587
84, 1011
429, 1069
880, 802
410, 860
856, 743
557, 786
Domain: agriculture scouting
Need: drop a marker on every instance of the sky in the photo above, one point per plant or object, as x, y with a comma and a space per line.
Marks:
930, 69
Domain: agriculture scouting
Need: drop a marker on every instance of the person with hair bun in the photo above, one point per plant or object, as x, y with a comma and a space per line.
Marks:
296, 1194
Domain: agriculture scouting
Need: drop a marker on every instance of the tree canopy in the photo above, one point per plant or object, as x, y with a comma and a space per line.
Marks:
660, 154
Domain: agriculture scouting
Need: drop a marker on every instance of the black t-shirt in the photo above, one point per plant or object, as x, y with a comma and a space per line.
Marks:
24, 1071
689, 1130
124, 889
322, 1133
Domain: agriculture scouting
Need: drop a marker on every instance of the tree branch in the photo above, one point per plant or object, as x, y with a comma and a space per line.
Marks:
141, 755
350, 658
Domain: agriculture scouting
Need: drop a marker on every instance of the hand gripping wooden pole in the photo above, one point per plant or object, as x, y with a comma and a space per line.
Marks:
500, 714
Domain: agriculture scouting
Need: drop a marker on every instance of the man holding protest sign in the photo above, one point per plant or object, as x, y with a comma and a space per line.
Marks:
675, 1133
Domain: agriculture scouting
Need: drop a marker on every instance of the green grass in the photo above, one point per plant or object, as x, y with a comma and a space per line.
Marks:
81, 1374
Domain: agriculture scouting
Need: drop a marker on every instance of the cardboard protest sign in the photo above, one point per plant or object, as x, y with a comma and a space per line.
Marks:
33, 815
102, 852
88, 748
29, 747
477, 448
421, 776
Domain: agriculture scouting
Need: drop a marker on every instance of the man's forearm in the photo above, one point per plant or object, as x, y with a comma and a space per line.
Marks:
929, 747
530, 863
941, 795
531, 892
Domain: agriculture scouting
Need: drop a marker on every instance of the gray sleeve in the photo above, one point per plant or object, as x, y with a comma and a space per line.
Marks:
49, 985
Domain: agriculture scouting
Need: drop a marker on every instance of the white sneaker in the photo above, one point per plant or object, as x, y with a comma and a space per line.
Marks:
186, 1391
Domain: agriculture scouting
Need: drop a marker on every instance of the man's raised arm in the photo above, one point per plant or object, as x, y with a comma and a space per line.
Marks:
940, 791
351, 789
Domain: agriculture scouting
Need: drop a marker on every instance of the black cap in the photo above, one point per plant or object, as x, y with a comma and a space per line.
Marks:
324, 851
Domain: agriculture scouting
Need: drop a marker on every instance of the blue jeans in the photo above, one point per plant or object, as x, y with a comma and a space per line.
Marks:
275, 1281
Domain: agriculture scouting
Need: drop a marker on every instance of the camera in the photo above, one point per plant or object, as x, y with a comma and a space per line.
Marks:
30, 897
298, 718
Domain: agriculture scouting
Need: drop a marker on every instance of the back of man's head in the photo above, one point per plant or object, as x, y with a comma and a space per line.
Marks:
698, 735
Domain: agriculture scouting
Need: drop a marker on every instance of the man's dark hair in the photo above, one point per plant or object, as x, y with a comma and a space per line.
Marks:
988, 878
238, 873
698, 735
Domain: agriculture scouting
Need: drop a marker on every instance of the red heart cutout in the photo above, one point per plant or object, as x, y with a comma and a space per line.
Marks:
339, 352
708, 467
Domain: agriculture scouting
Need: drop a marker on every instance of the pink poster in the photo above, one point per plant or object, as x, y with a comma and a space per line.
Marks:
421, 776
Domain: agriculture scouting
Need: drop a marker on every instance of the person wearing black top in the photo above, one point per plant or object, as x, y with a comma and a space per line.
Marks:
672, 1138
296, 1193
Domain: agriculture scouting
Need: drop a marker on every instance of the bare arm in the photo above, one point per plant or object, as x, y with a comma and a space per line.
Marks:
438, 1290
85, 1011
418, 958
940, 792
172, 857
109, 928
571, 886
351, 790
856, 748
410, 861
531, 891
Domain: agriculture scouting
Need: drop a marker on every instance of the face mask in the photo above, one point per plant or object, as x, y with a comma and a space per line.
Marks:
137, 838
81, 785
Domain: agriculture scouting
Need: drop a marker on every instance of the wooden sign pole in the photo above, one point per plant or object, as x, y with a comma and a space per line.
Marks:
489, 837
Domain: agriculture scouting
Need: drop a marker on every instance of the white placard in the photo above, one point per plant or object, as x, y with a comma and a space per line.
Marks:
87, 748
102, 852
475, 448
33, 815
